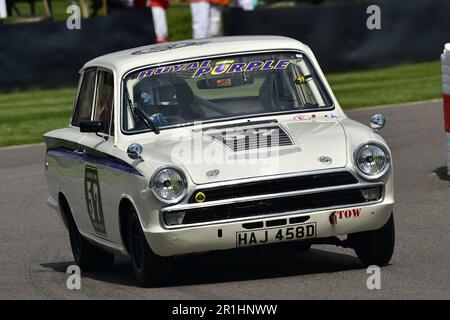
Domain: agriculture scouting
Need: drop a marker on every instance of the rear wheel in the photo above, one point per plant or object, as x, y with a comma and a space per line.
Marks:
87, 256
375, 247
148, 267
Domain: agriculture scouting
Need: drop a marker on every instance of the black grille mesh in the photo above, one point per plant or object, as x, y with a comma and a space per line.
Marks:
276, 186
274, 206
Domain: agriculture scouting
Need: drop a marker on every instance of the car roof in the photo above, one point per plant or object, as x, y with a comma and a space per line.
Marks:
123, 61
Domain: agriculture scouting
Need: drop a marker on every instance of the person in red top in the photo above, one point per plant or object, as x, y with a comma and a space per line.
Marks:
206, 17
159, 8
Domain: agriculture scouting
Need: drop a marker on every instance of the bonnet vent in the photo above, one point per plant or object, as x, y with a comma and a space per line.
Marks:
250, 135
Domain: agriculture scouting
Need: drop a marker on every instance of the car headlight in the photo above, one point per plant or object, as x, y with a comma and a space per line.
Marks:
168, 184
372, 160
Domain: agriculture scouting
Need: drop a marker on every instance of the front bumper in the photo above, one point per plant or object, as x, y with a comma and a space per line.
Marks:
167, 240
206, 238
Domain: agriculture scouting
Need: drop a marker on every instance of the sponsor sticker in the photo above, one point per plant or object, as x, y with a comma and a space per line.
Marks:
331, 116
348, 214
200, 197
224, 82
206, 67
302, 118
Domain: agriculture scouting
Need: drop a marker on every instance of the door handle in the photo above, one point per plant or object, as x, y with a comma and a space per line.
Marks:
80, 150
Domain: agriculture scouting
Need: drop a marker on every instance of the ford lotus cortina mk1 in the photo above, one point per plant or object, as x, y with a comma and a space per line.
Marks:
217, 144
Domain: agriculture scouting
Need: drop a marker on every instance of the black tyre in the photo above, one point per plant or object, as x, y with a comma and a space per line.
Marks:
375, 247
87, 256
303, 246
148, 267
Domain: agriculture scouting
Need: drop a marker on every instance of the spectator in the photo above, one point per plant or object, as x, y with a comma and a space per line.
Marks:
246, 5
3, 11
215, 17
207, 17
159, 8
200, 18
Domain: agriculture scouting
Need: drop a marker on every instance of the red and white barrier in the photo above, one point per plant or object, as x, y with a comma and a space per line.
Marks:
3, 12
445, 58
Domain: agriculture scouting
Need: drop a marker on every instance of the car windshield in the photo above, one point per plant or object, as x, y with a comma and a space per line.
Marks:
221, 88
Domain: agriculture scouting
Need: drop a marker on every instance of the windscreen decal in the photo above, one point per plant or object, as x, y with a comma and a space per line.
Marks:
201, 68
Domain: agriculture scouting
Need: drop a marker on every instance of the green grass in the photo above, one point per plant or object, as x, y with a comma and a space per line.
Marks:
25, 116
179, 22
405, 83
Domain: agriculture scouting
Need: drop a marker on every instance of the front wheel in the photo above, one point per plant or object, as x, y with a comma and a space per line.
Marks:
375, 247
147, 266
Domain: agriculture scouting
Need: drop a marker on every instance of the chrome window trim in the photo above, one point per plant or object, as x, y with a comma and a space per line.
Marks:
94, 106
80, 82
94, 98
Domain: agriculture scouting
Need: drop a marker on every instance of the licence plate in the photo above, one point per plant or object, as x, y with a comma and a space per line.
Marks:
276, 234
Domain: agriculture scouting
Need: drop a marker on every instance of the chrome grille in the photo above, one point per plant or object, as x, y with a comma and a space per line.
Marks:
271, 186
260, 198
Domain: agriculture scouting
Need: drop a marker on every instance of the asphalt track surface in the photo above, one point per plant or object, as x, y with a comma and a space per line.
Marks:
35, 250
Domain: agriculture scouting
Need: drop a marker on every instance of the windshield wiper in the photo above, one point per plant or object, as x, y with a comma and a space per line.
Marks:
135, 108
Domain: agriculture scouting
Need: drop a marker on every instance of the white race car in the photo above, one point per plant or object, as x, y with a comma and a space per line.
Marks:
217, 144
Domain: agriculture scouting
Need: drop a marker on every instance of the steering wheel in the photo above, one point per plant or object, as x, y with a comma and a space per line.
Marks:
167, 110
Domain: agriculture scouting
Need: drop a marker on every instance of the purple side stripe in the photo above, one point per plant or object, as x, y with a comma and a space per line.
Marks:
106, 160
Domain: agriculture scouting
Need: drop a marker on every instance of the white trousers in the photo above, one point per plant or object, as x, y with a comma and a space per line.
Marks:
247, 5
215, 20
3, 13
160, 23
200, 19
206, 20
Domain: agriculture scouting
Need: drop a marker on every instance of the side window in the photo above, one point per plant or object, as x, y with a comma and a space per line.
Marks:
104, 100
85, 98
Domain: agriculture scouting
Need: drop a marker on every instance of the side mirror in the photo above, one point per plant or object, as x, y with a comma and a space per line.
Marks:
377, 122
134, 151
91, 126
